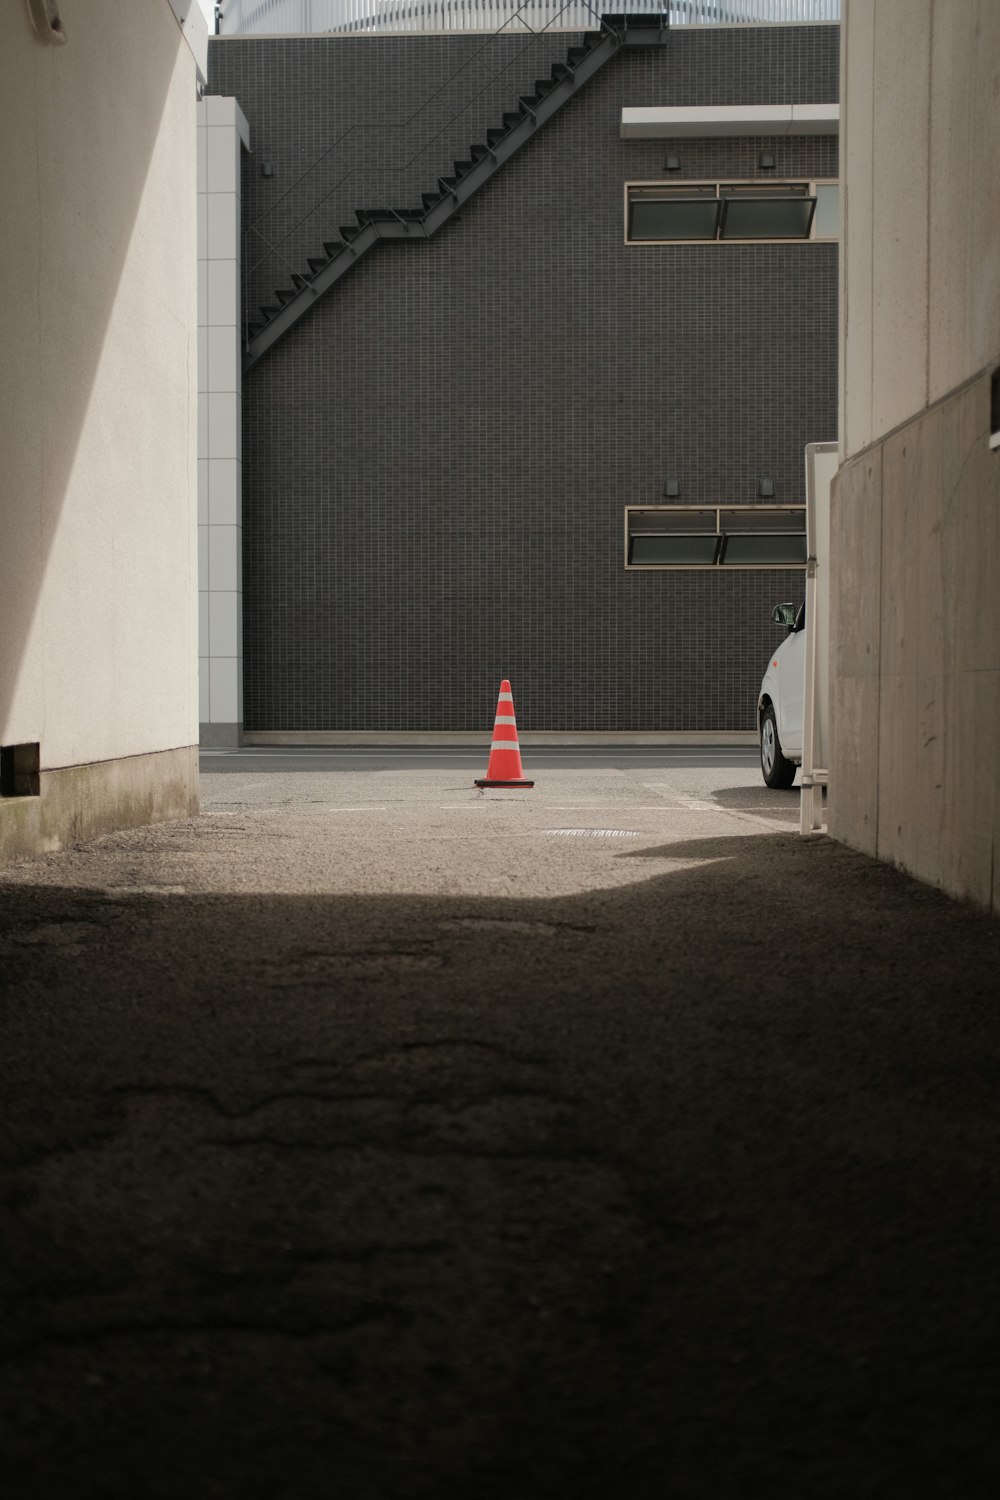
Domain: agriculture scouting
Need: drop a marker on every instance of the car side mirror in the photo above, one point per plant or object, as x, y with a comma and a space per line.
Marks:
784, 614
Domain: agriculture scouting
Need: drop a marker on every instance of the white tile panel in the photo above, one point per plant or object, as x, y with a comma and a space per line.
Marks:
203, 492
202, 227
203, 693
223, 226
222, 159
223, 558
224, 689
204, 639
202, 425
223, 293
224, 491
223, 424
220, 111
223, 358
224, 617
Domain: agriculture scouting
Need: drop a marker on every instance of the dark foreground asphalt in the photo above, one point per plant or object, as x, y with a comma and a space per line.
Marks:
682, 1189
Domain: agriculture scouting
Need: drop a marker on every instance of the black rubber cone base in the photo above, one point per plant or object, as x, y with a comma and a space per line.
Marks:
505, 783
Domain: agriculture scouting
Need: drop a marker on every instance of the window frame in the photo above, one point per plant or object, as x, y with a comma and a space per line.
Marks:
810, 183
717, 565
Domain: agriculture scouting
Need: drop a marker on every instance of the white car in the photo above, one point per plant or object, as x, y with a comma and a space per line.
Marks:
779, 705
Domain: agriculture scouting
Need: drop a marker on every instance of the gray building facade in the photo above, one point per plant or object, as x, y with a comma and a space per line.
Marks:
438, 456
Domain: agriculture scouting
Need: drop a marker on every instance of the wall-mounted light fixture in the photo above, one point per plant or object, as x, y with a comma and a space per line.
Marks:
671, 489
267, 169
765, 161
765, 488
672, 163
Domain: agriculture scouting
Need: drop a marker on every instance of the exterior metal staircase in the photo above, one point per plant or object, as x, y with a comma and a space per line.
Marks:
519, 126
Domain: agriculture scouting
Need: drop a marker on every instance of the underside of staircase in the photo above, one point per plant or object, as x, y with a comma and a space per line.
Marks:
519, 126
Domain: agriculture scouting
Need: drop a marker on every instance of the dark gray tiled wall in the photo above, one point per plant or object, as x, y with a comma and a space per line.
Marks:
437, 458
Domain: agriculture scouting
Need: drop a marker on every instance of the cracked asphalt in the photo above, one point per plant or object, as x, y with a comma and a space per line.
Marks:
367, 1137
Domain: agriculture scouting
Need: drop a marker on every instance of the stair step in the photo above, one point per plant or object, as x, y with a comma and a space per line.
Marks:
590, 41
616, 30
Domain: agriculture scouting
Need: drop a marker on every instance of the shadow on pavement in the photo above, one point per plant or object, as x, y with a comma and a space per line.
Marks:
682, 1189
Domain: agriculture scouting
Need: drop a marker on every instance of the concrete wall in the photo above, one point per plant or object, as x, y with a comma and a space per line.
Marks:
916, 628
98, 408
437, 458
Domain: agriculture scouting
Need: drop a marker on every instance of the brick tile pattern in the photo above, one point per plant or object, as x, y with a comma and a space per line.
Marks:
437, 458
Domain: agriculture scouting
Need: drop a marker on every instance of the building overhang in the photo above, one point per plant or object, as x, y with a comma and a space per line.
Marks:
664, 122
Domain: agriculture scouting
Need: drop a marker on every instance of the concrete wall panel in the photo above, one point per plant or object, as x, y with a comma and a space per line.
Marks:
80, 802
916, 649
911, 792
972, 491
969, 828
940, 647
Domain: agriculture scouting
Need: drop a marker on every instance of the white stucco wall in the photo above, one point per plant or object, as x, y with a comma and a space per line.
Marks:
98, 385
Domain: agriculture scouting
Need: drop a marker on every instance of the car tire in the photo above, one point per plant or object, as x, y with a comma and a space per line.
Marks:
778, 773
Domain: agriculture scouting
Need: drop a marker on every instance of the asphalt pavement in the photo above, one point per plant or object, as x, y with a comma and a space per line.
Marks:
370, 1137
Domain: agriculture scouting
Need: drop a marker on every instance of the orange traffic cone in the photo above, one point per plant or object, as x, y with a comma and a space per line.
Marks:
504, 768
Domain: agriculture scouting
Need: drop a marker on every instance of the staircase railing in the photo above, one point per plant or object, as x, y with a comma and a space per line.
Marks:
309, 16
264, 246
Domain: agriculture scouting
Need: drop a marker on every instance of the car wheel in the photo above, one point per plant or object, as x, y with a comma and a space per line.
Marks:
778, 772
